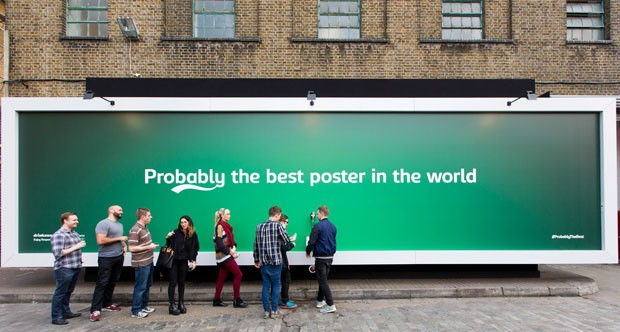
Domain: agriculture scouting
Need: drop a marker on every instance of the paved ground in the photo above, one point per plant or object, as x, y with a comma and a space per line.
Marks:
37, 285
440, 314
592, 311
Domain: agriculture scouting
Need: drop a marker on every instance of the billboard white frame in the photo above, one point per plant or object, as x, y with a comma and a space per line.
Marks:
605, 107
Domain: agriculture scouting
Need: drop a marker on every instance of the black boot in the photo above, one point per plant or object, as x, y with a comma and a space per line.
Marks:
173, 310
238, 303
182, 308
219, 303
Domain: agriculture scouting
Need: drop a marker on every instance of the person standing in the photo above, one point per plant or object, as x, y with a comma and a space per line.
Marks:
141, 247
322, 244
268, 258
184, 242
285, 277
67, 249
112, 249
225, 257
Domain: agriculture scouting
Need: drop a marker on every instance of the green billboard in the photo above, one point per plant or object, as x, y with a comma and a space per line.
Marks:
408, 180
404, 181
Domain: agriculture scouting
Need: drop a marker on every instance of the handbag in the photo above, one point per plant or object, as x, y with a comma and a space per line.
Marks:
166, 255
164, 261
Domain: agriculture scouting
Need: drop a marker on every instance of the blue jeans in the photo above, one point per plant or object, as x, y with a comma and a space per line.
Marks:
65, 284
142, 288
271, 279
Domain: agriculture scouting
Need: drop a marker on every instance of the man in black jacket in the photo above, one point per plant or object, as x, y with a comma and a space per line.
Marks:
322, 244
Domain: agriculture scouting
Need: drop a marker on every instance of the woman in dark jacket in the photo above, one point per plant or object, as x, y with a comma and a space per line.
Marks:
184, 242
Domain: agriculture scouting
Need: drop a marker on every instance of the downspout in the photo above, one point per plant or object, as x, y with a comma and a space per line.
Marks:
5, 86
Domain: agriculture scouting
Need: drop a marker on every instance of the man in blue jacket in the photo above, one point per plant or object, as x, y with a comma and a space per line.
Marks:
322, 244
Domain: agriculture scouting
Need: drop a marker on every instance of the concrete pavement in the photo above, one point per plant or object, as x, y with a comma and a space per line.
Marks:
26, 285
564, 298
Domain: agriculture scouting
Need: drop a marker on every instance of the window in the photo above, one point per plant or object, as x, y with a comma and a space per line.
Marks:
461, 19
339, 19
214, 18
87, 18
585, 20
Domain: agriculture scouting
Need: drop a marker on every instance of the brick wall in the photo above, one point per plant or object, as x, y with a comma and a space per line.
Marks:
397, 42
177, 19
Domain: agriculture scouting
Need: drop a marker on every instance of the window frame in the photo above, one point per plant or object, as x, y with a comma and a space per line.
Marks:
480, 15
358, 14
106, 23
207, 13
600, 15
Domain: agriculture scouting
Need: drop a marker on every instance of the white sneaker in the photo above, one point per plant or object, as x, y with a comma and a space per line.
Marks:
148, 310
320, 304
141, 314
327, 309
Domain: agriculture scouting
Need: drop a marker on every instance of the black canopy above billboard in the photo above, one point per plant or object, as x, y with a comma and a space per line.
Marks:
274, 87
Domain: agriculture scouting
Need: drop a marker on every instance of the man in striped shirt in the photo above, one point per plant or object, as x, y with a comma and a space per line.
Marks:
141, 247
67, 249
268, 258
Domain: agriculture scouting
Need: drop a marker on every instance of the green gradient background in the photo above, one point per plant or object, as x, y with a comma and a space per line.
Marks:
538, 174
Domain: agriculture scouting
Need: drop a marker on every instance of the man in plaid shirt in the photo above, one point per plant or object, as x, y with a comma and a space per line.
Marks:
67, 249
268, 258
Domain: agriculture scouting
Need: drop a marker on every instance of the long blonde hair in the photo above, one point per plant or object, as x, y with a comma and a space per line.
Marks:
219, 215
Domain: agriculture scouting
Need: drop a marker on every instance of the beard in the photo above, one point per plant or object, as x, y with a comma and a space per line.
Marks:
118, 215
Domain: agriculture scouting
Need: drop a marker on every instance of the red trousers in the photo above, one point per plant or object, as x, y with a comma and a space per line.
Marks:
232, 267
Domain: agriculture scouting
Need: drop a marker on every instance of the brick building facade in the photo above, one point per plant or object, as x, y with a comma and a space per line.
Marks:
398, 39
279, 39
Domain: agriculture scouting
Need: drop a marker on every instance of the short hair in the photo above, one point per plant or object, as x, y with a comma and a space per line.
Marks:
274, 210
65, 216
283, 217
324, 210
141, 212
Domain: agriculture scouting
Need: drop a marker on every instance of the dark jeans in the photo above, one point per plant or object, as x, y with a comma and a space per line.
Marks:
322, 267
109, 272
285, 280
178, 273
271, 284
142, 288
65, 284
